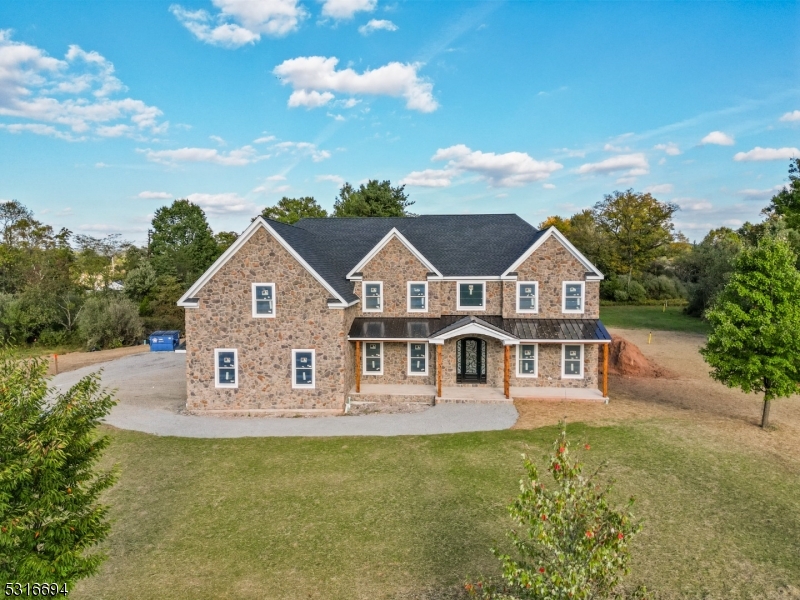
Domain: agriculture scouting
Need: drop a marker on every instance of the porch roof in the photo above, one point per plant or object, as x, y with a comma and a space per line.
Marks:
414, 328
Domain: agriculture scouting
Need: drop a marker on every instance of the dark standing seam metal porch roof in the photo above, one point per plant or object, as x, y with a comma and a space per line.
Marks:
567, 330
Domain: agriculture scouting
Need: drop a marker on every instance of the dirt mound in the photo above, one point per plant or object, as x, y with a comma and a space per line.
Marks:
625, 358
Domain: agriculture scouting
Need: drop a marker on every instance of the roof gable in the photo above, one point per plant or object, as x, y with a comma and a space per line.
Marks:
393, 234
593, 273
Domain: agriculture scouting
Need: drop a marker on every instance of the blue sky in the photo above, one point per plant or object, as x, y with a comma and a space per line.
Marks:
109, 110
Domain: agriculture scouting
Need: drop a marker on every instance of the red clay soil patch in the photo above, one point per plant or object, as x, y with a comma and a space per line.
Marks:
625, 358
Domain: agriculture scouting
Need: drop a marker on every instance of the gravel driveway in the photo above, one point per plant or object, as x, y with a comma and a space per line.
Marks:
151, 389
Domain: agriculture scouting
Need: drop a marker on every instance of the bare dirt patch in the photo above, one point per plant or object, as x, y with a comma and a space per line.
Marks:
625, 358
77, 360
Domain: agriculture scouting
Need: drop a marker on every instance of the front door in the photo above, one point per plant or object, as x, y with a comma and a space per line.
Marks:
471, 361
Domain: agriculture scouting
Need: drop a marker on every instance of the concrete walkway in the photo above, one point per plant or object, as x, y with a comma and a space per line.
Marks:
151, 389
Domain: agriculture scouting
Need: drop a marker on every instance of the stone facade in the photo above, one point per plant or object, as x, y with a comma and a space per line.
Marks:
395, 366
549, 374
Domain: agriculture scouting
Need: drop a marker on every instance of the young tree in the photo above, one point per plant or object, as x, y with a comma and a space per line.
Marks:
786, 203
376, 199
291, 210
755, 324
50, 513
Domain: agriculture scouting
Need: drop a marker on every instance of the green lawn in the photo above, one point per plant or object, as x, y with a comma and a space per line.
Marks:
651, 317
412, 517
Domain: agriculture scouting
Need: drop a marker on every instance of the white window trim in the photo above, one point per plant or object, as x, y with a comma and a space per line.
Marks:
458, 296
564, 361
364, 360
408, 357
364, 308
564, 297
313, 385
253, 300
535, 298
535, 373
408, 297
217, 384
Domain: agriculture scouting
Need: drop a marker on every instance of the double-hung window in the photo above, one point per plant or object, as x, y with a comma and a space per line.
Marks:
528, 360
417, 296
572, 361
471, 295
527, 296
417, 358
373, 358
572, 297
303, 367
226, 368
372, 296
264, 300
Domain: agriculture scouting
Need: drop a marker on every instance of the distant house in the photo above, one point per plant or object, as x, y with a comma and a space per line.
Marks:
343, 313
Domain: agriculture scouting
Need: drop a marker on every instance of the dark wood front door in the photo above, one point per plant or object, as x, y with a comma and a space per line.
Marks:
471, 361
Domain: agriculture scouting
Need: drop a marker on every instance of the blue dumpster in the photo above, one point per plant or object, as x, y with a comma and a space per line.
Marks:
164, 341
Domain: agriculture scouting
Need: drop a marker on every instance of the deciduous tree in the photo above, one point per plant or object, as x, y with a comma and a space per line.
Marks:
291, 210
376, 199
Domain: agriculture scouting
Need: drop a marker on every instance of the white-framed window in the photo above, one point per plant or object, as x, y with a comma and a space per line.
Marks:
471, 295
373, 358
417, 358
528, 360
417, 296
572, 297
372, 296
304, 365
527, 296
226, 368
264, 300
572, 361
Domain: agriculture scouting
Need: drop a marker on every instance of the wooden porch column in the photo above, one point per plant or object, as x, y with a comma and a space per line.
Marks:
438, 370
605, 370
506, 371
358, 367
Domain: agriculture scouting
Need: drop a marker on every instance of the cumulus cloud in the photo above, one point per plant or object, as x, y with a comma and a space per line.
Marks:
670, 148
332, 178
312, 99
155, 195
632, 164
548, 186
791, 116
758, 153
235, 158
377, 24
661, 188
309, 74
719, 138
693, 204
303, 148
756, 194
241, 22
220, 204
345, 9
69, 96
511, 169
265, 139
613, 148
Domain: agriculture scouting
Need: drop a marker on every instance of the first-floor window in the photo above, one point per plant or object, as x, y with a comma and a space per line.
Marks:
526, 365
226, 367
373, 358
303, 369
573, 361
417, 359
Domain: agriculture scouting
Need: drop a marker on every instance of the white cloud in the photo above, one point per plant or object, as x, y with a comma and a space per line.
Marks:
72, 93
693, 204
155, 195
241, 22
276, 178
303, 148
670, 148
345, 9
755, 194
349, 103
548, 186
791, 116
758, 153
719, 138
511, 169
100, 165
265, 139
318, 74
661, 188
220, 204
633, 164
612, 148
312, 99
377, 24
336, 117
235, 158
218, 139
332, 178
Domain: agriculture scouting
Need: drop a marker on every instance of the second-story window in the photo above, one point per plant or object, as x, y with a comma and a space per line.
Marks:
572, 297
527, 296
372, 296
471, 295
264, 300
417, 296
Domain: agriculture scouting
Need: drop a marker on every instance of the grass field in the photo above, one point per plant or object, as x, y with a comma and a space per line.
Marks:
651, 317
412, 517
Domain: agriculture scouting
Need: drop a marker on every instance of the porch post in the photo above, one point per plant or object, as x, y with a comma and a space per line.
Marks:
506, 367
358, 367
438, 370
605, 370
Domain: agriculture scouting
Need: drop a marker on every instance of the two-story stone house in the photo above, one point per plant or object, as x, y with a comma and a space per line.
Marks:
316, 315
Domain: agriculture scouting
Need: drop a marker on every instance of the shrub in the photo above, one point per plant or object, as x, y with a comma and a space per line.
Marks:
109, 322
